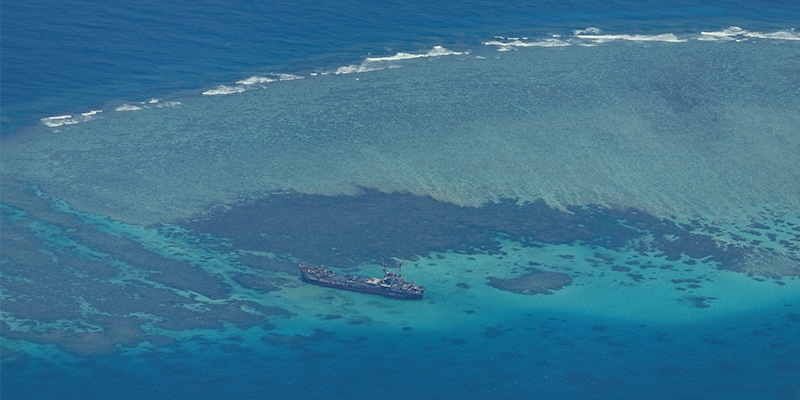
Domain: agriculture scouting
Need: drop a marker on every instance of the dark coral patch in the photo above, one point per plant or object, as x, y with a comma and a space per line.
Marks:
172, 272
343, 231
536, 282
116, 332
700, 301
348, 230
301, 342
492, 332
258, 282
72, 284
637, 277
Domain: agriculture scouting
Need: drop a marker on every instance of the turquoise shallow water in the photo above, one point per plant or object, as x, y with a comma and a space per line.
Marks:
595, 214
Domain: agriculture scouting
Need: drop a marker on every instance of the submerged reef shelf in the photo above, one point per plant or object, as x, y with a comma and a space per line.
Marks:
91, 285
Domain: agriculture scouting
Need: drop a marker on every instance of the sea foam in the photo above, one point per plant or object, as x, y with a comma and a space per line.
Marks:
508, 44
582, 37
739, 34
596, 35
593, 36
289, 77
359, 68
256, 80
62, 120
128, 107
224, 89
436, 51
378, 63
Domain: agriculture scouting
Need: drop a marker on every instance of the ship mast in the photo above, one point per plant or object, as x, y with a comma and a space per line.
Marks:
398, 264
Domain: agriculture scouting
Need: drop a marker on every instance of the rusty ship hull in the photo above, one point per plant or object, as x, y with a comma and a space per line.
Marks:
391, 285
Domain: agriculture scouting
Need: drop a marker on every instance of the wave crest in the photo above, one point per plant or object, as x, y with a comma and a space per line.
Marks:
69, 119
379, 63
224, 89
592, 36
436, 51
739, 34
253, 80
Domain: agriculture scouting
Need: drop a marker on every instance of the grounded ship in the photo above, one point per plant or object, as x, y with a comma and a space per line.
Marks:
391, 285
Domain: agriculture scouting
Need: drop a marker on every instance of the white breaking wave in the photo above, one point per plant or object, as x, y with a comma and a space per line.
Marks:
436, 51
262, 80
379, 63
253, 80
352, 69
69, 119
143, 105
159, 103
369, 64
511, 43
257, 80
224, 89
168, 104
730, 33
289, 77
737, 33
592, 36
788, 34
595, 34
128, 107
58, 120
582, 37
61, 120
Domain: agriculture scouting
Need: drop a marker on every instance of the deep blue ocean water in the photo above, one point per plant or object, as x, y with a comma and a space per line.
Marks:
461, 342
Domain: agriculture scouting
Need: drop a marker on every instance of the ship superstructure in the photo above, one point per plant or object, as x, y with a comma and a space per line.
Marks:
391, 285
